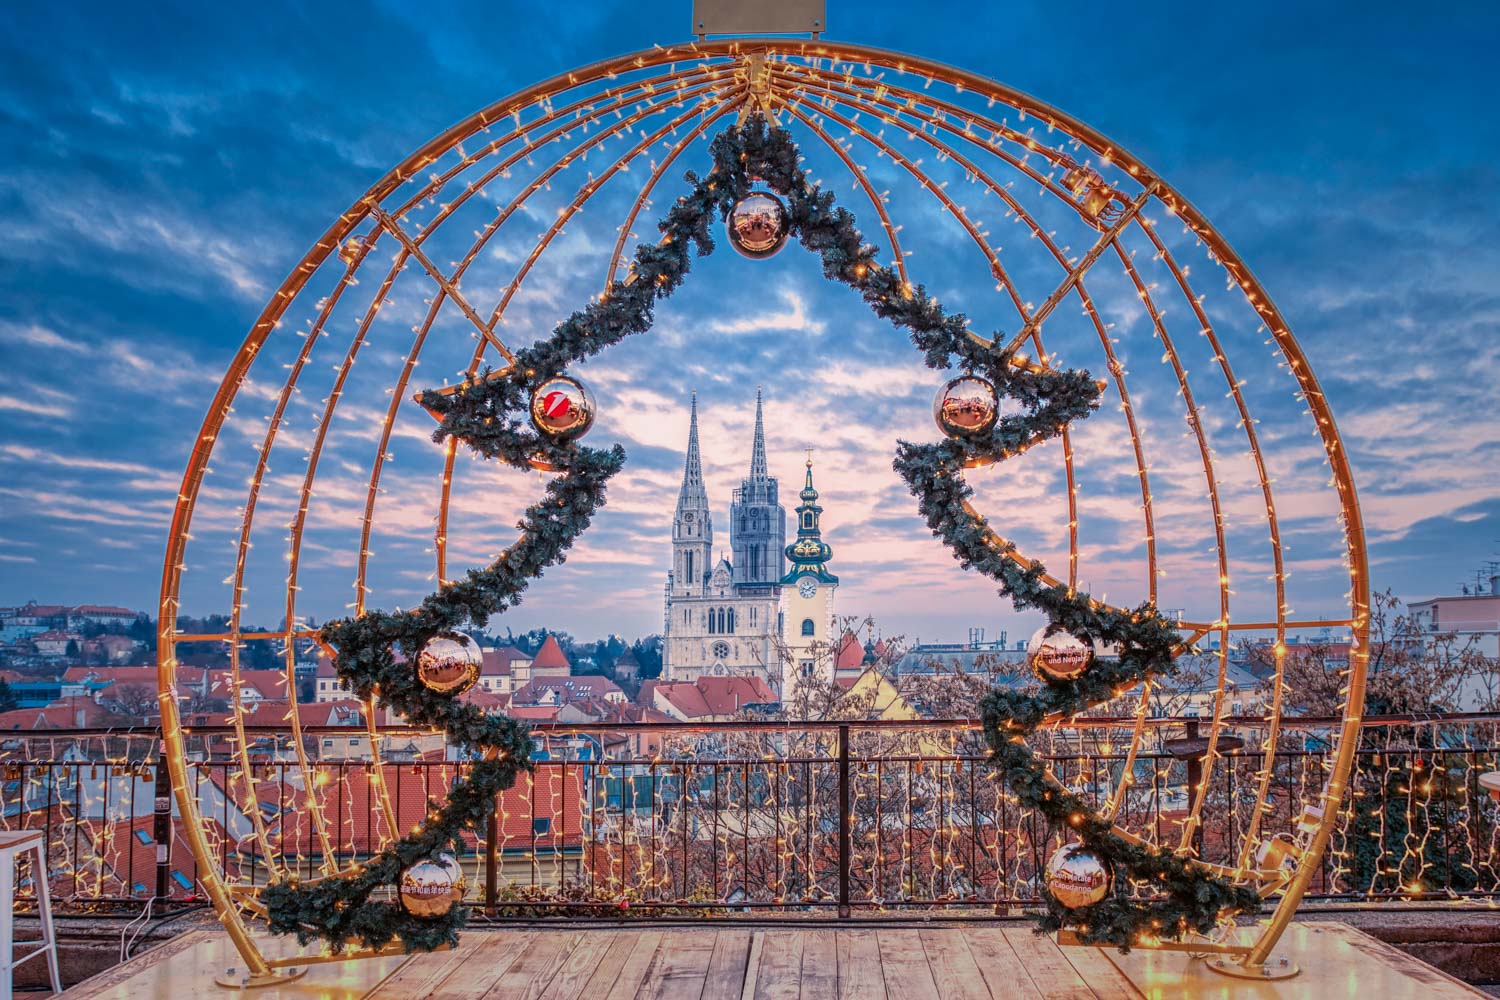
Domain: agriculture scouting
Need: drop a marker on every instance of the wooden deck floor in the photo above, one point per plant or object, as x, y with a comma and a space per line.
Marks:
966, 962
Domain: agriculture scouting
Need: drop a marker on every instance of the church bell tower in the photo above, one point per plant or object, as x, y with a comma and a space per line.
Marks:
692, 525
757, 521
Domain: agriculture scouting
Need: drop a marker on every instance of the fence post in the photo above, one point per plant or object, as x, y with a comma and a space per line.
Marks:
845, 846
492, 859
161, 828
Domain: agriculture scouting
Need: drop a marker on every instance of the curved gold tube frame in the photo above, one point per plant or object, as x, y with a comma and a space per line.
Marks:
816, 84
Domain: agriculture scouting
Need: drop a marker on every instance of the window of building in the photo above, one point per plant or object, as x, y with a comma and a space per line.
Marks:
721, 650
807, 668
541, 825
729, 622
808, 628
143, 836
182, 880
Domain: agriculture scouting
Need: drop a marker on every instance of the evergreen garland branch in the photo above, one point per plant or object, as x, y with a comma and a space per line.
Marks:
489, 416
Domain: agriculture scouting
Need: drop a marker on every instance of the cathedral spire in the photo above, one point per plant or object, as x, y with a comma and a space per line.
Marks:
758, 452
692, 470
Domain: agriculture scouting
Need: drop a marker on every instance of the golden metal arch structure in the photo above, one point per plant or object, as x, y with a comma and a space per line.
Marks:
915, 120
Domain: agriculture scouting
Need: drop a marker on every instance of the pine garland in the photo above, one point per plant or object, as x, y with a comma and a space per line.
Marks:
490, 416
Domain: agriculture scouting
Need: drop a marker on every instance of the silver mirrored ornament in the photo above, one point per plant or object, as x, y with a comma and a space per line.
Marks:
427, 889
966, 406
563, 408
449, 666
1055, 654
1077, 877
758, 225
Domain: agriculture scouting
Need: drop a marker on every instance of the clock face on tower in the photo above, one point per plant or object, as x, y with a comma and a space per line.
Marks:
808, 587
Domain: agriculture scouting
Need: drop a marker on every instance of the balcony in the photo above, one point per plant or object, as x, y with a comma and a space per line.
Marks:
858, 825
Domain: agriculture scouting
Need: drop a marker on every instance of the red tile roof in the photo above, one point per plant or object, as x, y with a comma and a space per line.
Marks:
363, 827
500, 662
851, 654
713, 696
550, 656
569, 689
65, 713
533, 713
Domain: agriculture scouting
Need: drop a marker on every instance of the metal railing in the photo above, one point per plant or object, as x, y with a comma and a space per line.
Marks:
749, 817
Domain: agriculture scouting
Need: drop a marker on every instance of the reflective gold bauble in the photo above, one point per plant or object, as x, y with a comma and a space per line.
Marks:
1077, 877
966, 407
563, 408
757, 225
427, 889
456, 872
449, 666
1055, 654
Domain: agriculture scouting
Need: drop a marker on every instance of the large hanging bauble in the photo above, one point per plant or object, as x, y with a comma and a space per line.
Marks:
1077, 877
966, 406
449, 666
757, 225
1056, 654
455, 871
430, 888
563, 408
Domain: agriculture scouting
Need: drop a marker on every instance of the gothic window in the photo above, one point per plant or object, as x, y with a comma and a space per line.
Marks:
690, 567
721, 650
807, 626
729, 628
807, 668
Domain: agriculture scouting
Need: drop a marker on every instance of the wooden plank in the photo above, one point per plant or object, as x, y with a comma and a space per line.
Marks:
421, 974
534, 969
582, 963
1102, 975
680, 966
953, 968
752, 965
727, 964
904, 964
112, 977
858, 957
820, 966
779, 976
487, 963
1435, 982
1044, 960
1001, 969
624, 966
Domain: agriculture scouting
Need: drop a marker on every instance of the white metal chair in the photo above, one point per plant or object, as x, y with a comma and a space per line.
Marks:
13, 844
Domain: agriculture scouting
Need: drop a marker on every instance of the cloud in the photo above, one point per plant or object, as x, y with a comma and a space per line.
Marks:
170, 169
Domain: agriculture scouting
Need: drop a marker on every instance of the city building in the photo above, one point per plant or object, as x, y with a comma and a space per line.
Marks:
807, 601
1471, 614
722, 617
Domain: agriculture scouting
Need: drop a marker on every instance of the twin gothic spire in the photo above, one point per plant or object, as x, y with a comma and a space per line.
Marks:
693, 488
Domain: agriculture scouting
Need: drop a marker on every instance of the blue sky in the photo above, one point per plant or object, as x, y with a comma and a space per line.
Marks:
167, 165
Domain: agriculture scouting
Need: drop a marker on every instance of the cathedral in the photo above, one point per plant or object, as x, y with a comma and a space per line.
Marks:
724, 616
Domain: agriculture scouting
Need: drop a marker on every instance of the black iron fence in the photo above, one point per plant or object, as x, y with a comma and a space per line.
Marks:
755, 817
